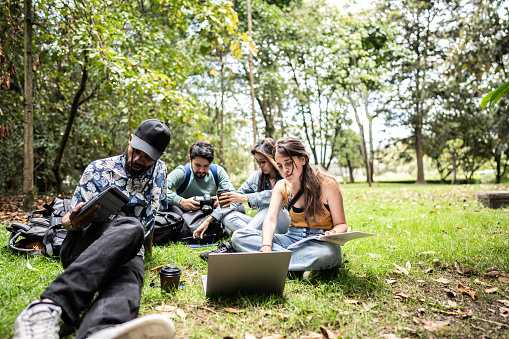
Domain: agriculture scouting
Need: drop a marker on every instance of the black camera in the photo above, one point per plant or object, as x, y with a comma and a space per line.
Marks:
206, 202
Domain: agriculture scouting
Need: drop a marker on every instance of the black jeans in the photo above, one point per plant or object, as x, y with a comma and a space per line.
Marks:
100, 259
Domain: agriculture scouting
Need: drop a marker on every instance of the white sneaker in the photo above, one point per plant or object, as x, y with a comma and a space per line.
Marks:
154, 326
38, 320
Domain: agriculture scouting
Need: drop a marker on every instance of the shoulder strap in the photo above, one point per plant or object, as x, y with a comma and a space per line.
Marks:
187, 169
294, 200
213, 169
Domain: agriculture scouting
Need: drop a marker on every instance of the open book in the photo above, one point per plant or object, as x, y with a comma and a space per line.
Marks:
339, 238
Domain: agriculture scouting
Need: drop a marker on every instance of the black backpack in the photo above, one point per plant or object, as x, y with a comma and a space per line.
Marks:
167, 227
40, 235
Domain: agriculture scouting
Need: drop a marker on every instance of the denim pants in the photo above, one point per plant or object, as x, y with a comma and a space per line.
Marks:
313, 255
235, 221
101, 258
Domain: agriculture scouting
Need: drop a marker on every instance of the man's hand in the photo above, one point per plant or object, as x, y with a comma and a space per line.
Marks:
72, 222
232, 197
216, 202
200, 231
189, 204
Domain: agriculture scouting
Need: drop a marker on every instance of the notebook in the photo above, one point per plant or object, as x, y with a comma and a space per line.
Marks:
254, 272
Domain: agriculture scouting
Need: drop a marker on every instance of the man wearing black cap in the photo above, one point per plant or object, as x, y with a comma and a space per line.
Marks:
107, 257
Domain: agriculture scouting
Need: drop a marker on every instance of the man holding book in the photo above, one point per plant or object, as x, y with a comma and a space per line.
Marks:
106, 257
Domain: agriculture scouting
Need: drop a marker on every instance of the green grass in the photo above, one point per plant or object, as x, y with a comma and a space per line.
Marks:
409, 220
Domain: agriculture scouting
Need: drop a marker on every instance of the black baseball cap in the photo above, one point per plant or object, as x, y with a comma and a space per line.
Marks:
152, 137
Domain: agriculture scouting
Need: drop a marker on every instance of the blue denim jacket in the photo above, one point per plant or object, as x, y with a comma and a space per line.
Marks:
257, 200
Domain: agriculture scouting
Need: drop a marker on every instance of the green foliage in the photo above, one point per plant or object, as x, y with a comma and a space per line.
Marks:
494, 96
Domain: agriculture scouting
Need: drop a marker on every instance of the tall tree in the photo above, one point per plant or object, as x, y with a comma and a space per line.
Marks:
28, 168
419, 28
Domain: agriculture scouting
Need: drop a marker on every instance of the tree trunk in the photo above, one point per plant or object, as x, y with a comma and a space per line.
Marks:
454, 170
363, 141
221, 120
420, 155
251, 78
28, 167
74, 111
498, 176
350, 169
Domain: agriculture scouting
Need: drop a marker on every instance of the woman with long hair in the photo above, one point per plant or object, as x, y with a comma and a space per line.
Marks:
256, 191
316, 208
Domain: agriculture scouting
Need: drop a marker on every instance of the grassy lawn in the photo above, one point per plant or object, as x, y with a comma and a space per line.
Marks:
433, 243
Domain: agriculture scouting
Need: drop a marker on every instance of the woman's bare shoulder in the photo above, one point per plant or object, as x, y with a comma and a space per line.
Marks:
330, 186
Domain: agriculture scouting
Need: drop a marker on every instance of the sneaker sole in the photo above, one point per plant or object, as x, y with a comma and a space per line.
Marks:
153, 326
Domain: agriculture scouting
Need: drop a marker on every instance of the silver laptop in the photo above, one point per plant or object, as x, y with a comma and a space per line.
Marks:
255, 272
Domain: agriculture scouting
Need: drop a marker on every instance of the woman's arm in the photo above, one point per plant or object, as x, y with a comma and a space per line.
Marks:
270, 222
334, 199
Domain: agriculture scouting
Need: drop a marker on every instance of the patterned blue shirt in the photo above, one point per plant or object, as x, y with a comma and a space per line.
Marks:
146, 192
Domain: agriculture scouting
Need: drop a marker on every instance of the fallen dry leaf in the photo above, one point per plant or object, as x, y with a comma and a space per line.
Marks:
351, 301
503, 301
276, 314
435, 326
437, 263
429, 270
466, 290
157, 268
275, 336
249, 336
312, 335
171, 311
491, 290
427, 253
390, 336
504, 310
441, 280
328, 334
400, 295
452, 303
408, 265
234, 310
477, 281
30, 267
491, 274
401, 269
458, 267
391, 281
505, 280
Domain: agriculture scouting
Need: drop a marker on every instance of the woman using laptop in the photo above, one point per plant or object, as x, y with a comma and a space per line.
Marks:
315, 206
256, 191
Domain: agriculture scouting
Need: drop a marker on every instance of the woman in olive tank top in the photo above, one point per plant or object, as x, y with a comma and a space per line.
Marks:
316, 208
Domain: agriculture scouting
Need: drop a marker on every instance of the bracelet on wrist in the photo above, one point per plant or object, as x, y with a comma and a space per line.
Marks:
72, 226
267, 245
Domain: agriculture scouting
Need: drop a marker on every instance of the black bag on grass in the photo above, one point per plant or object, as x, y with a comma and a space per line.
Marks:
167, 227
40, 235
193, 220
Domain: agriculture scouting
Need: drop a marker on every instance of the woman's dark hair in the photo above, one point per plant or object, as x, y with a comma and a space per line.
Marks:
266, 148
203, 150
312, 176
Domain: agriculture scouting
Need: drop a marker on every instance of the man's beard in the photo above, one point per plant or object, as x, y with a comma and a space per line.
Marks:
200, 175
131, 171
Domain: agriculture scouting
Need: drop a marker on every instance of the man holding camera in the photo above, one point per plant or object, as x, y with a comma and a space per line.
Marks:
196, 183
